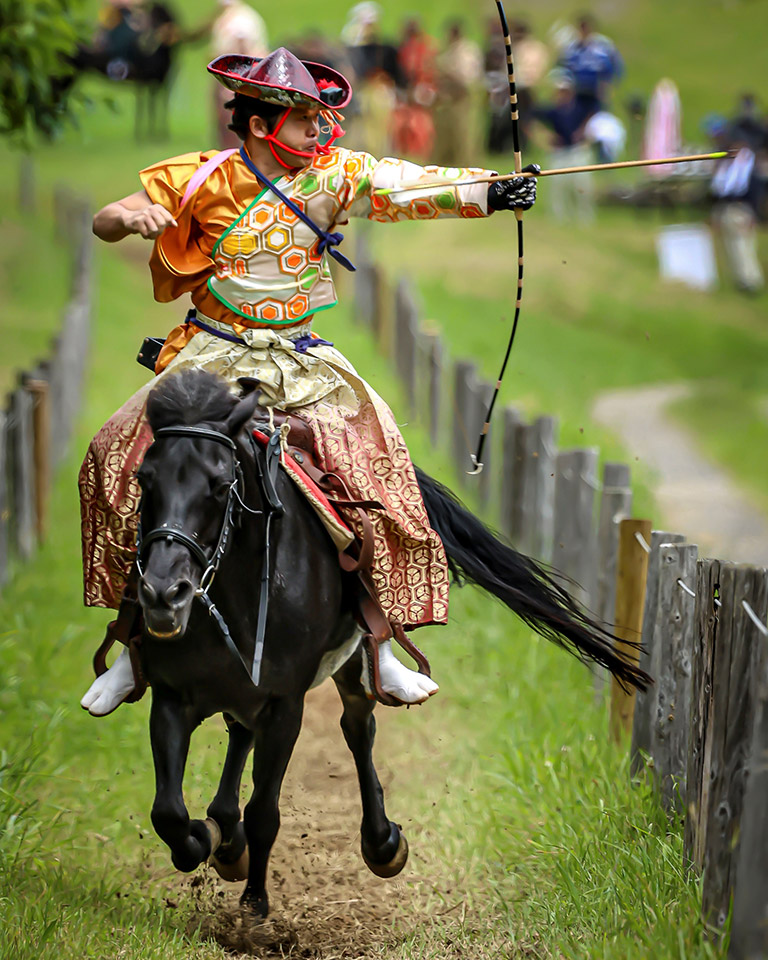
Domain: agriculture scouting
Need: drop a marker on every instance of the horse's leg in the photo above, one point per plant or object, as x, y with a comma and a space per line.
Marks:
276, 732
231, 858
170, 728
384, 847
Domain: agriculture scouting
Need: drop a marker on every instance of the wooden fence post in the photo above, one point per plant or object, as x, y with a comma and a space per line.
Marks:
673, 632
698, 776
615, 505
464, 412
405, 338
384, 315
741, 655
646, 703
483, 392
533, 508
511, 423
631, 571
21, 458
366, 294
436, 367
41, 419
749, 928
573, 551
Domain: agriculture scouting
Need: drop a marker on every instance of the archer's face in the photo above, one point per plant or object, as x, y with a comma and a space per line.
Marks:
299, 130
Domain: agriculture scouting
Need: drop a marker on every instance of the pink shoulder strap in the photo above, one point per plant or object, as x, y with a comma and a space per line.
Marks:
202, 173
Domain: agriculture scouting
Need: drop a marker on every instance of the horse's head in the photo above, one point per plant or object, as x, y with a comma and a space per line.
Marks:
189, 480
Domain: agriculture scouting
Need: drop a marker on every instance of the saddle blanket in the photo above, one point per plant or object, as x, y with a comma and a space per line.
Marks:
339, 532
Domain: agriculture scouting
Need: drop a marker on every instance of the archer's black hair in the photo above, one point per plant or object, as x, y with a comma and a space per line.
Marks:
244, 107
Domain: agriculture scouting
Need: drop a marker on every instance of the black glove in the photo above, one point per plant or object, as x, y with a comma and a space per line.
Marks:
519, 193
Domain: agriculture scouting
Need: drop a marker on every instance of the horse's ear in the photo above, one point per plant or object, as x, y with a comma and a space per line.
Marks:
241, 413
248, 385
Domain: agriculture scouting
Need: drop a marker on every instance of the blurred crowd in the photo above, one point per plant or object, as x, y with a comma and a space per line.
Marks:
445, 99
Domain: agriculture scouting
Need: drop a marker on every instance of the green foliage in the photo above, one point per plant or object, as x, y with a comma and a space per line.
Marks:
36, 36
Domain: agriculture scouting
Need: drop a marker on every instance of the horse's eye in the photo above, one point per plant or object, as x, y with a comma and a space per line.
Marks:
220, 486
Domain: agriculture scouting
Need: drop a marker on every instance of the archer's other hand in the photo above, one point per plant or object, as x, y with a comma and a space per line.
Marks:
134, 214
150, 222
519, 193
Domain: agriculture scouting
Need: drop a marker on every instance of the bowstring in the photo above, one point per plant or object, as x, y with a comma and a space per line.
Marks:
477, 458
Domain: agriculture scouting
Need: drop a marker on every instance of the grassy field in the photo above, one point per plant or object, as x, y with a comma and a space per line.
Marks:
528, 819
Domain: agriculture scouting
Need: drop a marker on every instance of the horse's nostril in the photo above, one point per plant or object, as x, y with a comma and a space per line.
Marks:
147, 593
178, 593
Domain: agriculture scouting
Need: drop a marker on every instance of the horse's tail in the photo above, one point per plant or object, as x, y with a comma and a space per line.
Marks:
477, 556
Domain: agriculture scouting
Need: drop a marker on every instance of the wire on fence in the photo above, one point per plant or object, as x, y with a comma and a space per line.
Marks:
685, 588
642, 541
754, 618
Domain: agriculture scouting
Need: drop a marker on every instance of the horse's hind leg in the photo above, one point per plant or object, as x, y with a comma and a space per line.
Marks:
384, 847
231, 858
277, 728
170, 727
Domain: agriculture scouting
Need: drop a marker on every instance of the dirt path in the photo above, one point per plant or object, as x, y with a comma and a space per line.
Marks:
325, 904
695, 497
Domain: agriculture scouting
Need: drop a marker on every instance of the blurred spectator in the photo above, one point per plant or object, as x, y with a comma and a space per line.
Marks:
532, 59
377, 73
594, 62
566, 118
135, 41
662, 136
499, 136
748, 126
238, 28
607, 134
413, 129
737, 189
459, 80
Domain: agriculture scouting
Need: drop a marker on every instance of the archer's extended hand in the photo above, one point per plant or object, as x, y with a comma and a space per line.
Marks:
519, 193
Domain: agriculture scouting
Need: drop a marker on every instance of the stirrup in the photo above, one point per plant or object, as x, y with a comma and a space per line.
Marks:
125, 629
371, 658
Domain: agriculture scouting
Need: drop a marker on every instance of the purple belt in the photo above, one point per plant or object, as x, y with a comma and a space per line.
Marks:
300, 344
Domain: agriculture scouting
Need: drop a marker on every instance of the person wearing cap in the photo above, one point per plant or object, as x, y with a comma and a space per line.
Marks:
249, 235
572, 196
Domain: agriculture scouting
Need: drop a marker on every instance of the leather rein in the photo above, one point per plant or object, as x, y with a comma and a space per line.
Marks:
273, 508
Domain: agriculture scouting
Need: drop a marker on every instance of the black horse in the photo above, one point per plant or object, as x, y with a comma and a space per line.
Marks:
207, 493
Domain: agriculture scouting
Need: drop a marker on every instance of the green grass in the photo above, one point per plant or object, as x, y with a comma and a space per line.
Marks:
532, 841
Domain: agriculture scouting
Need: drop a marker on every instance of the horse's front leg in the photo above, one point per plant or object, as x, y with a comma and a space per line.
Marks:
231, 859
384, 847
276, 732
170, 728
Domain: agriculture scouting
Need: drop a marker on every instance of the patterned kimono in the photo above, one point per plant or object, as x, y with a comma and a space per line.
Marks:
253, 268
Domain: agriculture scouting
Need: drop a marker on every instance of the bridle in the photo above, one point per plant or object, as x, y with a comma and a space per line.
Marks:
210, 563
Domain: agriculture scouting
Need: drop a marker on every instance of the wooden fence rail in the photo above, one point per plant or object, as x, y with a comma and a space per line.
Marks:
701, 731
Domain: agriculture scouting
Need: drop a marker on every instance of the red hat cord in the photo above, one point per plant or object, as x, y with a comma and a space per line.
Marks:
321, 150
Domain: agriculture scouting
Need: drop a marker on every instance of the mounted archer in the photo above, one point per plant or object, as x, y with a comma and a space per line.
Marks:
248, 234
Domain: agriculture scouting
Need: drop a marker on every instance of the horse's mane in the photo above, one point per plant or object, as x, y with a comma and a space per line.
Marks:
188, 398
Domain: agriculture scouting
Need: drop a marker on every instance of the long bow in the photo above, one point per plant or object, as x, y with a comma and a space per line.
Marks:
477, 458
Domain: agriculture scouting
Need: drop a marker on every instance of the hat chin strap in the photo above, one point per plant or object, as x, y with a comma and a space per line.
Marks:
319, 151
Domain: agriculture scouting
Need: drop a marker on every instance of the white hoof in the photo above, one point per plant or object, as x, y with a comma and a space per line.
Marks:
110, 689
406, 685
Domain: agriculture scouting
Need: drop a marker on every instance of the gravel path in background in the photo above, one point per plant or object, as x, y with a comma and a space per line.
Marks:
695, 497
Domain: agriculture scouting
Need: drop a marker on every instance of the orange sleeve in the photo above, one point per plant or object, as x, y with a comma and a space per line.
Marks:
166, 181
177, 264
